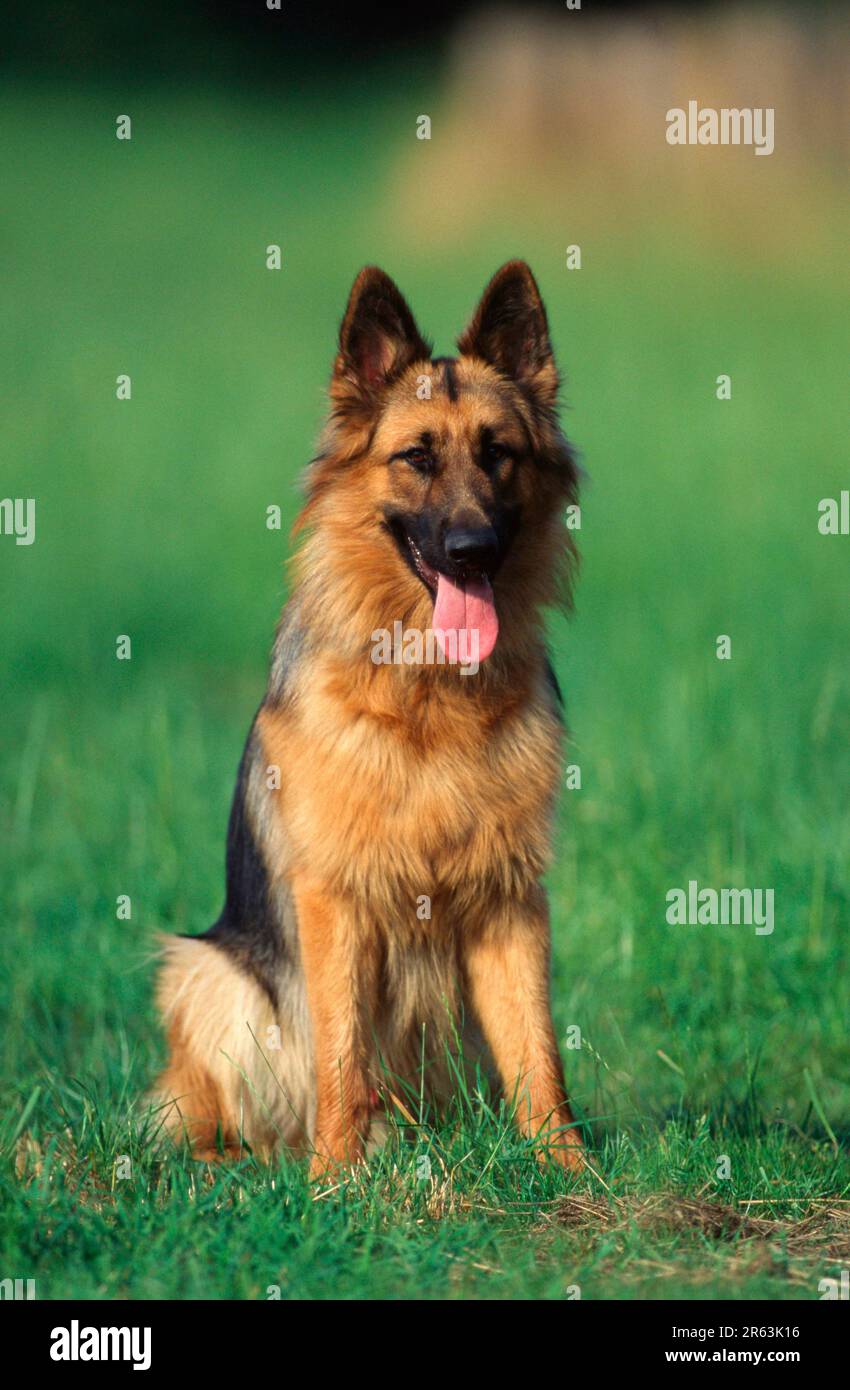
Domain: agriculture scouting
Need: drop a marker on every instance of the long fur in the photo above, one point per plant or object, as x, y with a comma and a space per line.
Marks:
367, 791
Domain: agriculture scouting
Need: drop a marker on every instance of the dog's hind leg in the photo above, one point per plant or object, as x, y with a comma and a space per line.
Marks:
218, 1091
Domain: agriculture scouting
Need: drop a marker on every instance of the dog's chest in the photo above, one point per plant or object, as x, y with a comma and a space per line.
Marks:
375, 813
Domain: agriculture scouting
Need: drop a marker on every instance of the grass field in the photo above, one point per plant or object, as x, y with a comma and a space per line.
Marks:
699, 519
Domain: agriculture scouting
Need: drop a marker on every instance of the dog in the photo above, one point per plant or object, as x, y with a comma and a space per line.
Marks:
391, 819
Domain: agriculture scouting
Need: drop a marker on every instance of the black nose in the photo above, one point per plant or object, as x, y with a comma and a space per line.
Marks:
475, 548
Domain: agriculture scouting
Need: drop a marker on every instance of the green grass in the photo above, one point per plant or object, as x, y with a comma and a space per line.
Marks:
699, 518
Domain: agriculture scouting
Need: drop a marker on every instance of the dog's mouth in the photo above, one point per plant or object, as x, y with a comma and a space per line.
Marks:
465, 622
429, 576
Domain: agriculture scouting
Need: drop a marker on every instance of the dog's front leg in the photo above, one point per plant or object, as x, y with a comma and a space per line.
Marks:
340, 971
507, 971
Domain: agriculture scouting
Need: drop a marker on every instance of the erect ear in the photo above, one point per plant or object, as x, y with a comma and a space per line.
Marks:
509, 330
378, 337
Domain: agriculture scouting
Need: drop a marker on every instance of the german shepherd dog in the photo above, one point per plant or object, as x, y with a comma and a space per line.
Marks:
391, 820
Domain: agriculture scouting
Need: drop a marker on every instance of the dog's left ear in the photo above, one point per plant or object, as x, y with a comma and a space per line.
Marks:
509, 330
378, 338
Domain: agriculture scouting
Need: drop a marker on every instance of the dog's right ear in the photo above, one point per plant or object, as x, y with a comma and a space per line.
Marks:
378, 338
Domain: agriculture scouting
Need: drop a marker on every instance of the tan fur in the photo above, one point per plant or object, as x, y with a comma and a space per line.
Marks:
224, 1071
399, 782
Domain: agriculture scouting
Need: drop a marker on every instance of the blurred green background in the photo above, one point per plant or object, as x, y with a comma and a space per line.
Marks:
147, 257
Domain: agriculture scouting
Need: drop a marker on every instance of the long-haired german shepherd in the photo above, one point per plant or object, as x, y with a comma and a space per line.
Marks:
391, 819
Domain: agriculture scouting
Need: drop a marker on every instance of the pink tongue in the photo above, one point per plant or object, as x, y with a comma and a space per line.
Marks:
466, 608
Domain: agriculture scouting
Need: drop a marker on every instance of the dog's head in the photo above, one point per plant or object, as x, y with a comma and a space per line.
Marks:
453, 467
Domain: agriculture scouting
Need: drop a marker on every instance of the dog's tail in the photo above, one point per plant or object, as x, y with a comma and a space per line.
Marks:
214, 1015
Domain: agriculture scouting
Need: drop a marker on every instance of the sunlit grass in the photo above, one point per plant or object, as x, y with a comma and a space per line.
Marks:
699, 518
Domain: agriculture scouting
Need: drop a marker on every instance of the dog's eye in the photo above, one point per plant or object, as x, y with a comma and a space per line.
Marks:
419, 459
495, 452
